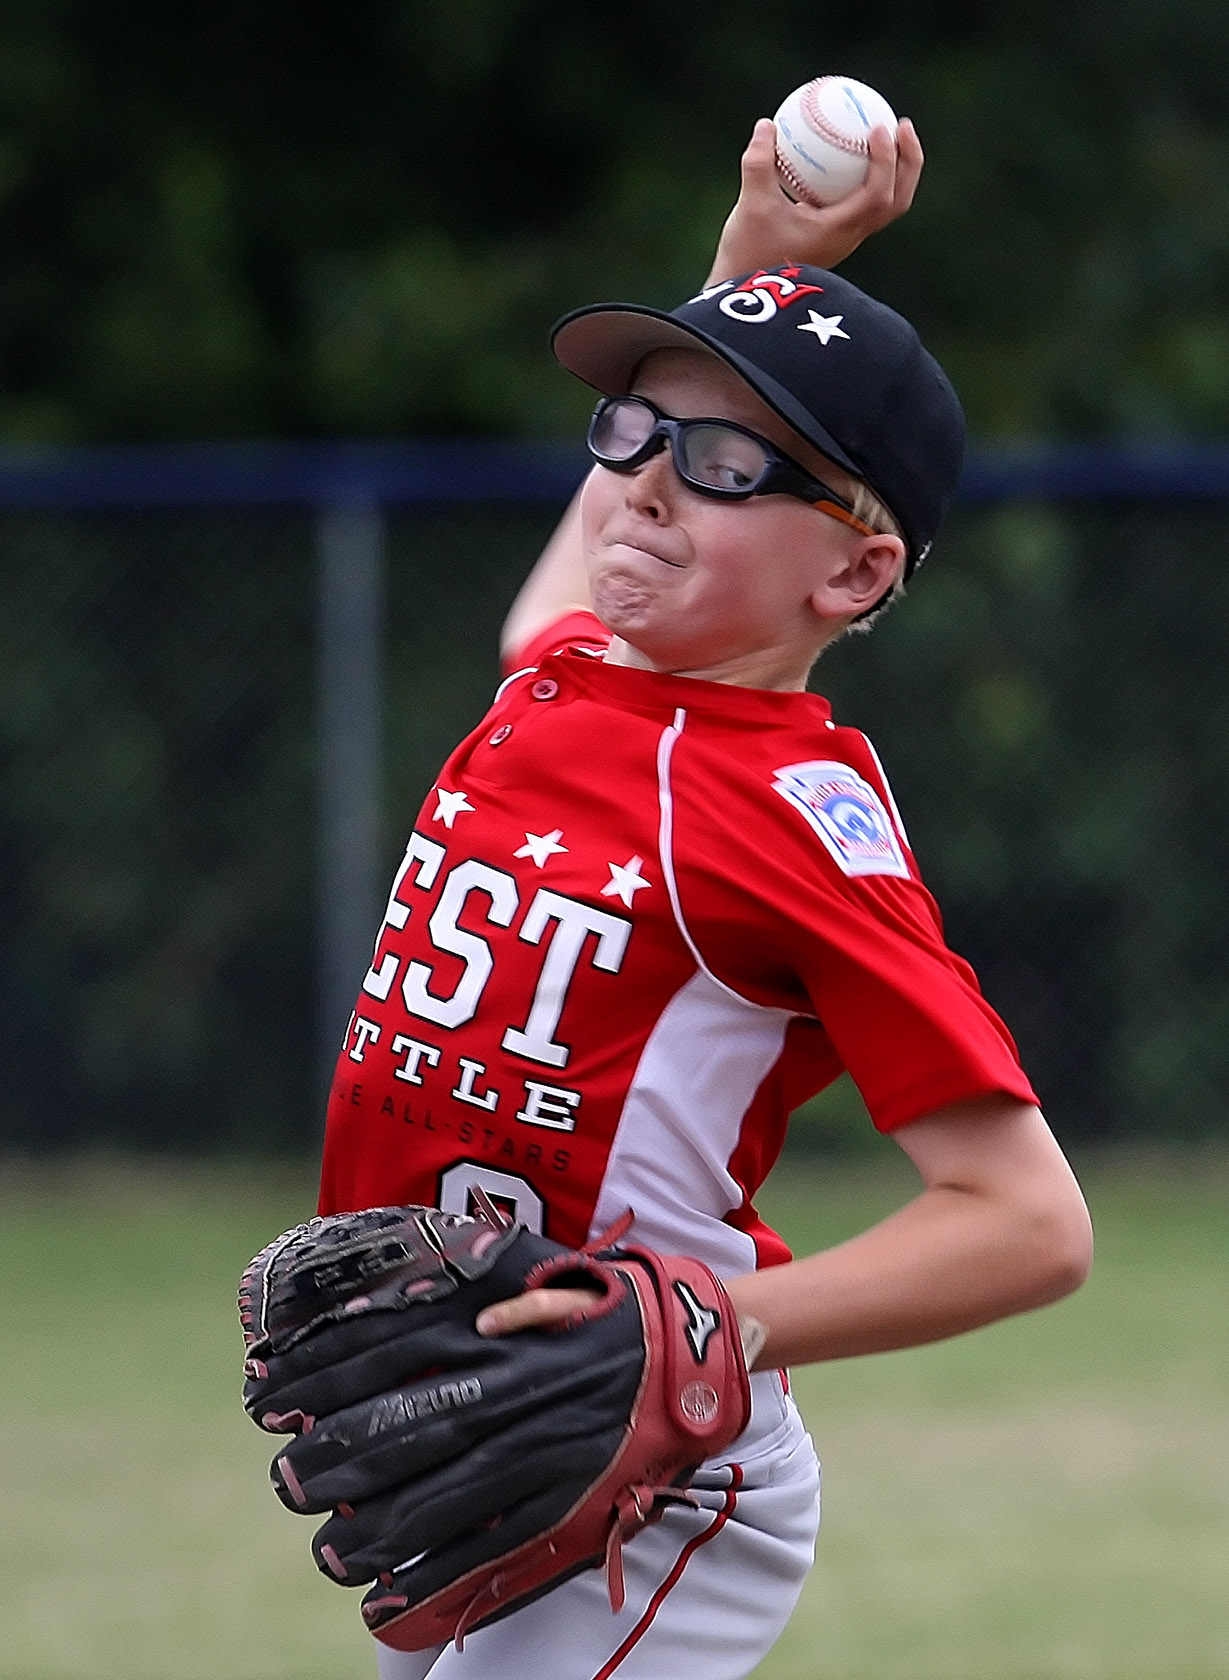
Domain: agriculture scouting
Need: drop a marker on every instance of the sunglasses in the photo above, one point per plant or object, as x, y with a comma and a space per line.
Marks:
715, 457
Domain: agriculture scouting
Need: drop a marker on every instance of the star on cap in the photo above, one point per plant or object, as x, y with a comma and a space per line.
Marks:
540, 846
625, 880
825, 327
450, 807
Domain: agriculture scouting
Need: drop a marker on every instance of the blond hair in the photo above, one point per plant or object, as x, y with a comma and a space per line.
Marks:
871, 511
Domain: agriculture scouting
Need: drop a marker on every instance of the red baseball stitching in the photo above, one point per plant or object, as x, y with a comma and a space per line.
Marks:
820, 123
791, 178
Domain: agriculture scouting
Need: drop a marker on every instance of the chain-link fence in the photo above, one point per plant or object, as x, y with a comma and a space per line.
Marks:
1050, 704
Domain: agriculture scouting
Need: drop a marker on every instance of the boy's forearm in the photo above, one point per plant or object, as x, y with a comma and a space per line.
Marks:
1000, 1227
947, 1263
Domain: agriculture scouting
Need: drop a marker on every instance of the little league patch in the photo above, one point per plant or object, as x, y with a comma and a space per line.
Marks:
847, 814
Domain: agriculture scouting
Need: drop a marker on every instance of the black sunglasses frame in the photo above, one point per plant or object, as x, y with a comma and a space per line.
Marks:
781, 475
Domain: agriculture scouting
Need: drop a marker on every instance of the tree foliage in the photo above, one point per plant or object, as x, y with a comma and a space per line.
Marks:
249, 217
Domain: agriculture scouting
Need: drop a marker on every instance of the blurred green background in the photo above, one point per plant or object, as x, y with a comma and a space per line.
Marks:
252, 221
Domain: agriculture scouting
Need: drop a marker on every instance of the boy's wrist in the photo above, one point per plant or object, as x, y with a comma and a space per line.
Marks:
754, 1333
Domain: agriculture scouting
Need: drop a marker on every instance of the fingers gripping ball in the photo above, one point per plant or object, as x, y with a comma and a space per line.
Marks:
463, 1475
823, 137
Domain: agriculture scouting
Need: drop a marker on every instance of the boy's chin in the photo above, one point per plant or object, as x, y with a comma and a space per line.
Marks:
625, 604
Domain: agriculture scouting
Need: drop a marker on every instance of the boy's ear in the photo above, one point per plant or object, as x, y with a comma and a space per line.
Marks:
859, 577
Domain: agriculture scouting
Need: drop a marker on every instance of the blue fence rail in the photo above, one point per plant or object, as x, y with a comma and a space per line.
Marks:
396, 473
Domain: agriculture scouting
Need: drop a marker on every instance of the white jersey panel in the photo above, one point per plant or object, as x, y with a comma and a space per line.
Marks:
681, 1123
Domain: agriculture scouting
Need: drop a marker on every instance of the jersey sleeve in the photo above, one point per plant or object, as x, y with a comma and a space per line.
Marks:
824, 913
904, 1013
575, 629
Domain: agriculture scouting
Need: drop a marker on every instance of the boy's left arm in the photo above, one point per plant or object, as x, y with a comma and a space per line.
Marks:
999, 1227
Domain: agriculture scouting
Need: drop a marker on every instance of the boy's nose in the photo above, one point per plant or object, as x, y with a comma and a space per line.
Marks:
652, 485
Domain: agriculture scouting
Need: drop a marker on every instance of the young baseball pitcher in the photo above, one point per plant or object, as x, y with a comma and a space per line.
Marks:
660, 896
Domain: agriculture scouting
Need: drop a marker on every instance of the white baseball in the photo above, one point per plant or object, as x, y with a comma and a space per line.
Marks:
823, 134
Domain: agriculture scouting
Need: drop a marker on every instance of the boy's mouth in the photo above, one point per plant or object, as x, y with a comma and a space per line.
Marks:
637, 547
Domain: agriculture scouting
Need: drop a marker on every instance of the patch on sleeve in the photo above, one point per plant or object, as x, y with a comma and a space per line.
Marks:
847, 814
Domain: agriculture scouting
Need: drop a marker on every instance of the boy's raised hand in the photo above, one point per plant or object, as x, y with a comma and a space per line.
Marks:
765, 229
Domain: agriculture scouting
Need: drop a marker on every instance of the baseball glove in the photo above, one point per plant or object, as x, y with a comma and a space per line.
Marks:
466, 1474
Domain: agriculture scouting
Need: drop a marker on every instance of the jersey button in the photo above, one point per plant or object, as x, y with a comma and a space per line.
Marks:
545, 688
501, 734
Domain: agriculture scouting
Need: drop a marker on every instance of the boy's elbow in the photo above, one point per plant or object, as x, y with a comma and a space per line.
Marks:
1062, 1247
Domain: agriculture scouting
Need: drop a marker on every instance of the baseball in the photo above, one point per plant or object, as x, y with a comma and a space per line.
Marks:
823, 131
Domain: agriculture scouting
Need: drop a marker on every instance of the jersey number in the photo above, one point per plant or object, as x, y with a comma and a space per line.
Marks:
509, 1193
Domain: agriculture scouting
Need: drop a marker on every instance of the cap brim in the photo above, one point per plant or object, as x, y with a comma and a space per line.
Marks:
605, 343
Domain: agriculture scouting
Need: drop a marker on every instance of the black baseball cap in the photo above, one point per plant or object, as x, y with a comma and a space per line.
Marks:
845, 371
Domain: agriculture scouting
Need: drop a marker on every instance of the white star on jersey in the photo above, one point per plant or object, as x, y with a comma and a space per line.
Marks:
824, 327
540, 846
450, 806
625, 880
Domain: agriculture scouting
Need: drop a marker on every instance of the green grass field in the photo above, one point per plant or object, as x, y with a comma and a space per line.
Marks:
1044, 1500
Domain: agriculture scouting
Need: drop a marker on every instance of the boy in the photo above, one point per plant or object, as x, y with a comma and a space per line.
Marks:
658, 898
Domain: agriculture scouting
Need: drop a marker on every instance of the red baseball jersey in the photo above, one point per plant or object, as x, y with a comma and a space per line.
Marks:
640, 919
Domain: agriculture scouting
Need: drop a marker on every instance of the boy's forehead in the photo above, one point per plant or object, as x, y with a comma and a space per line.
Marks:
688, 384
